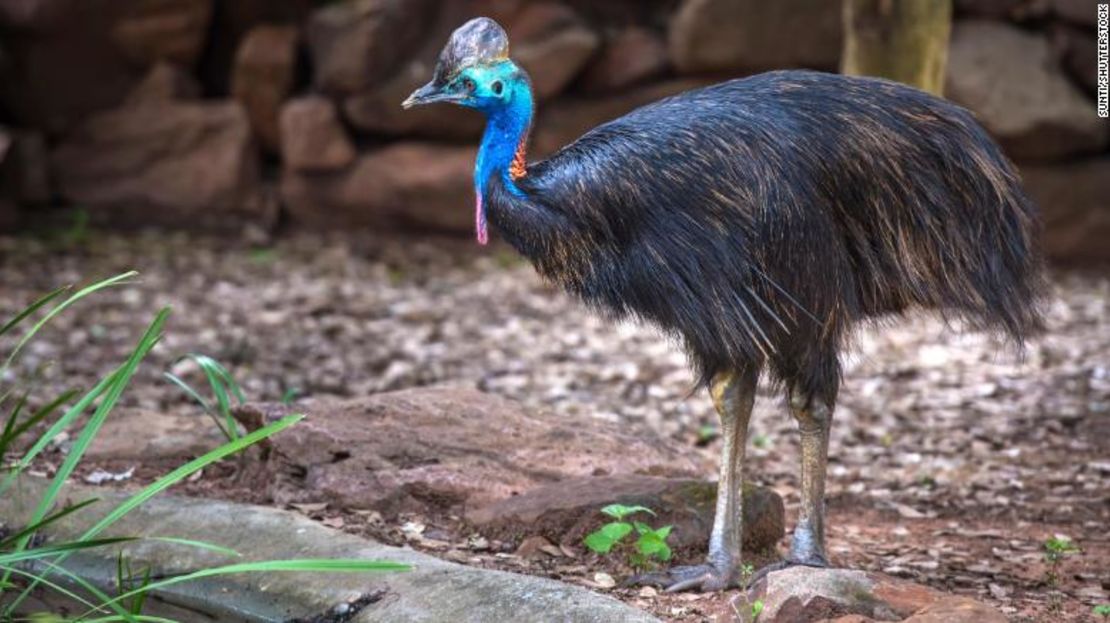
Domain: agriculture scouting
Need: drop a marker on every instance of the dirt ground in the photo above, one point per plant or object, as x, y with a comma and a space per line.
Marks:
952, 459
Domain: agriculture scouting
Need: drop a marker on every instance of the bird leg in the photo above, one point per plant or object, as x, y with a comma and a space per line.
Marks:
733, 394
807, 548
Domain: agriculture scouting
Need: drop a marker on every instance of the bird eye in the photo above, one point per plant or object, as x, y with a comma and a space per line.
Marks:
496, 86
468, 84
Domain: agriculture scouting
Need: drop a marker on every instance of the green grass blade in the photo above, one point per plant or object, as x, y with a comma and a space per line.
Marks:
272, 566
89, 432
60, 307
192, 393
184, 471
63, 422
212, 547
32, 308
46, 521
47, 551
51, 585
88, 586
172, 478
11, 434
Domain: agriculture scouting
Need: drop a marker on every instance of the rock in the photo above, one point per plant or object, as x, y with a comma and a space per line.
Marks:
312, 138
565, 120
262, 77
230, 23
807, 594
1010, 80
567, 511
357, 44
10, 216
632, 56
552, 44
165, 82
1082, 12
153, 438
435, 450
181, 163
1078, 52
379, 111
1074, 207
420, 185
170, 30
723, 35
24, 167
62, 62
433, 590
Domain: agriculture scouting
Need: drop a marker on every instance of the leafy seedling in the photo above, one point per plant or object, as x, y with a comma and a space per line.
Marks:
650, 544
1102, 610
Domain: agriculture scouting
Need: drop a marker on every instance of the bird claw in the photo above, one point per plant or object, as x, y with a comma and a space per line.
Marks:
766, 570
705, 578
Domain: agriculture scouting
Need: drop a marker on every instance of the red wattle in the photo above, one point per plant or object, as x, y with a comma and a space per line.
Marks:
480, 222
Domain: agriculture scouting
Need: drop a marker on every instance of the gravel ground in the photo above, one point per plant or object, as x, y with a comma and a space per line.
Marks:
953, 459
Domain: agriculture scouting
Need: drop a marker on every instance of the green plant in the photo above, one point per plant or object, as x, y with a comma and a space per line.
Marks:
650, 544
1102, 610
28, 560
757, 609
1056, 548
223, 387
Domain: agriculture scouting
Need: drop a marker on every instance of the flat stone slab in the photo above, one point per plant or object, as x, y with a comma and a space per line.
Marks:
434, 590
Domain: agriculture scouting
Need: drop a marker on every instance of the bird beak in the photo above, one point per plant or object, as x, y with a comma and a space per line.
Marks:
428, 94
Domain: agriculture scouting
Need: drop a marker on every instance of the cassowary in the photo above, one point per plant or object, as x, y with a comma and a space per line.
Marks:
758, 221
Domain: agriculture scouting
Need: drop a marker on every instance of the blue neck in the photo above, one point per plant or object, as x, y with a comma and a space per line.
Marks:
507, 124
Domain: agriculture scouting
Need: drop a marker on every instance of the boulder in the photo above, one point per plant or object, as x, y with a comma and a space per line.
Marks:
808, 595
1081, 12
378, 110
1074, 206
631, 56
552, 44
1009, 78
24, 167
421, 185
263, 75
565, 120
62, 63
725, 35
171, 30
566, 511
444, 450
162, 162
231, 21
164, 82
355, 45
312, 138
10, 216
152, 438
68, 58
1078, 52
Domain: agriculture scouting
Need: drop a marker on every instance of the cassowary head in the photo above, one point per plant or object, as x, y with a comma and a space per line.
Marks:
473, 70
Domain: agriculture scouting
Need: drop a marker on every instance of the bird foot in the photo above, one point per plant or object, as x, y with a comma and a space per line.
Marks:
763, 572
705, 578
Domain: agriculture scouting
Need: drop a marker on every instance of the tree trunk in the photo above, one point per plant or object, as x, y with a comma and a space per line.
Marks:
903, 40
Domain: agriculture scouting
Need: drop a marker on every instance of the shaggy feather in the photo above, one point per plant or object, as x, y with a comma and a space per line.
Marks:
759, 219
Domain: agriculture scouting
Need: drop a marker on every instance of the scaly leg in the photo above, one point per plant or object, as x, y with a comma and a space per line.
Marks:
733, 394
808, 545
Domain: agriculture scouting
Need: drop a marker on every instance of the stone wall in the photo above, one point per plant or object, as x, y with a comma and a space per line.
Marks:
216, 113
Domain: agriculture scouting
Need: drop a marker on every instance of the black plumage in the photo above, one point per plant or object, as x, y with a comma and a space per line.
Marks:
759, 219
